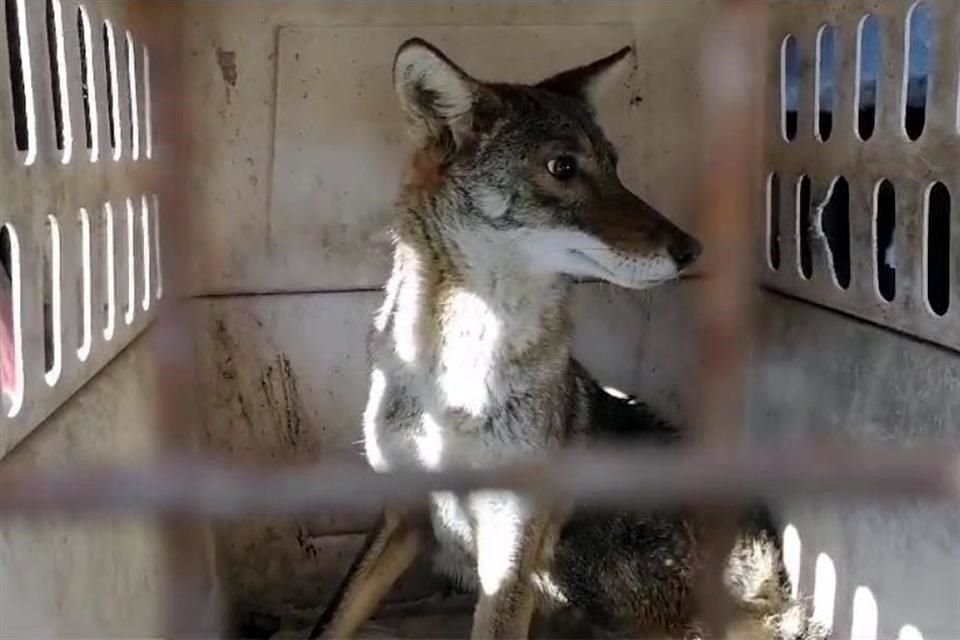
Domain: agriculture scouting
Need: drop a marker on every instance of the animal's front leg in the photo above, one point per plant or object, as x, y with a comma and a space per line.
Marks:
508, 538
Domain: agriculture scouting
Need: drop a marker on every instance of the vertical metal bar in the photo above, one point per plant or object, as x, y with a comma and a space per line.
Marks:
191, 606
734, 70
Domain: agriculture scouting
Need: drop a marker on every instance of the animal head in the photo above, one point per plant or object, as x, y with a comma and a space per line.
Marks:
530, 166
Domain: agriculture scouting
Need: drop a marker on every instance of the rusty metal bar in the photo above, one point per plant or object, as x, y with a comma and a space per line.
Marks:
193, 487
733, 88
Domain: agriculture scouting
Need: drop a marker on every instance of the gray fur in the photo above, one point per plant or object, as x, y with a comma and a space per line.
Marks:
472, 365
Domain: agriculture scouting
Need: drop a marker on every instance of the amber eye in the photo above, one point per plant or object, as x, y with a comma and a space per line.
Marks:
562, 167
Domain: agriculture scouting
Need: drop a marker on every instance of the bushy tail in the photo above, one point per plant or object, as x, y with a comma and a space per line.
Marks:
758, 580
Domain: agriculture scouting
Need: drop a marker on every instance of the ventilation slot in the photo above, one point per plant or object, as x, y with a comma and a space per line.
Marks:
146, 257
86, 329
58, 79
109, 273
868, 75
52, 308
113, 89
864, 615
158, 263
21, 82
835, 224
134, 97
88, 86
773, 221
789, 87
909, 632
825, 81
11, 336
938, 248
130, 307
804, 254
884, 222
147, 106
824, 590
916, 70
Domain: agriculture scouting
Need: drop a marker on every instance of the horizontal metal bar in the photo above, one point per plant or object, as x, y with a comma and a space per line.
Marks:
623, 477
240, 293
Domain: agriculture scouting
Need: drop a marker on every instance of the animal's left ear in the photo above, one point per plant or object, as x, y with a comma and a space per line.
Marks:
591, 81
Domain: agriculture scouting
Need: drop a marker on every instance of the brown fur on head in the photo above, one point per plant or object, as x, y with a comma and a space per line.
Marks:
529, 166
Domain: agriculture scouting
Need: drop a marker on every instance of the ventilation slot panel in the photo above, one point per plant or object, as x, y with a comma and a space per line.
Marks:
85, 234
888, 256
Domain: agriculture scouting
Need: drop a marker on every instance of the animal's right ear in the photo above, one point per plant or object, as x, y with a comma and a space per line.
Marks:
436, 94
591, 81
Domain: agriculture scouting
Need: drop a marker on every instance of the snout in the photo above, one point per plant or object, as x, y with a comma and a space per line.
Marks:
684, 249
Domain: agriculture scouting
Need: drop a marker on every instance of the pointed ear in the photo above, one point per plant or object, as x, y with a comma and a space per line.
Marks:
591, 81
437, 96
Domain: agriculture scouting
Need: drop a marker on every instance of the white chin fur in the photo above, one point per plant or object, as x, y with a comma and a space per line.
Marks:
578, 254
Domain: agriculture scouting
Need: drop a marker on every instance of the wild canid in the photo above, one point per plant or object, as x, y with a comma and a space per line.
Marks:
512, 193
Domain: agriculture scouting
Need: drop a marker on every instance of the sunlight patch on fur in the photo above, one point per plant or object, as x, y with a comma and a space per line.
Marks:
378, 386
407, 308
865, 615
449, 508
499, 530
543, 581
824, 590
429, 442
383, 313
469, 342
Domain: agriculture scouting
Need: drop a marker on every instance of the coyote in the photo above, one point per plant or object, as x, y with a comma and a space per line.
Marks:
512, 193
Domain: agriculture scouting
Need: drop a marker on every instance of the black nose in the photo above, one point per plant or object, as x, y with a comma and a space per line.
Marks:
685, 251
